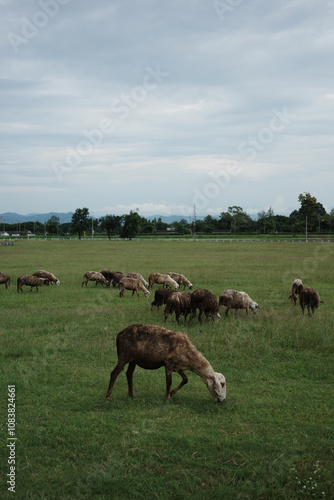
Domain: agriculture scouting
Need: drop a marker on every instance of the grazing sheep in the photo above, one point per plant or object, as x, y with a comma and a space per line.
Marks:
151, 347
160, 297
178, 302
32, 281
107, 274
162, 279
296, 288
95, 276
138, 276
132, 284
45, 274
233, 299
181, 280
309, 297
4, 279
117, 276
206, 302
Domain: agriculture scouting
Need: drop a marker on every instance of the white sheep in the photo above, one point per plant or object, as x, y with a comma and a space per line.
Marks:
233, 299
296, 288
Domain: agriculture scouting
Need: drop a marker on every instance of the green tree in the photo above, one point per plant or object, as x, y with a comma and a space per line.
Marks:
80, 221
52, 224
112, 224
311, 209
131, 225
236, 217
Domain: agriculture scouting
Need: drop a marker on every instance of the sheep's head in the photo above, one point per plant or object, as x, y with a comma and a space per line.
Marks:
217, 387
254, 307
147, 294
57, 282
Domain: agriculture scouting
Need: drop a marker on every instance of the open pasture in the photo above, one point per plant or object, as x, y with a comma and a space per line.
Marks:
273, 438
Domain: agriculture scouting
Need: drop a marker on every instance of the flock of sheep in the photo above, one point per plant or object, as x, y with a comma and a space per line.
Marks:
151, 346
181, 303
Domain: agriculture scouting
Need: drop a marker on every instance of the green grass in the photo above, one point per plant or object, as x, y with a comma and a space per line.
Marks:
57, 346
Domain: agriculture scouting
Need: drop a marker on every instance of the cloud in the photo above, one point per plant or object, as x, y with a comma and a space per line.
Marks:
218, 83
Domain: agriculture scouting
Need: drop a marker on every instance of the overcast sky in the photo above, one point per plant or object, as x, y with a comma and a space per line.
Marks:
159, 106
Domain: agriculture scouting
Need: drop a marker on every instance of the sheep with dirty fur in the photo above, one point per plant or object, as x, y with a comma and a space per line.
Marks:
152, 347
32, 281
133, 284
181, 280
138, 276
95, 276
161, 296
162, 279
206, 302
178, 303
50, 276
310, 298
234, 299
4, 280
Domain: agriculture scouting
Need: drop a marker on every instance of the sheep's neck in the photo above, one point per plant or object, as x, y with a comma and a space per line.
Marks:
203, 370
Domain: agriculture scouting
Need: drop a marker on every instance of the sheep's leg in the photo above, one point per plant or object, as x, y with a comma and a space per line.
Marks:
183, 382
113, 376
192, 316
227, 310
168, 382
129, 376
200, 316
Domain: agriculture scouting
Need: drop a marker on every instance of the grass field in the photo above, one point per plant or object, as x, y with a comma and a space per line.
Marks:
273, 438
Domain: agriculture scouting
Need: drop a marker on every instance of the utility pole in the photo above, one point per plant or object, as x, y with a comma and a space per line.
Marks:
194, 222
306, 230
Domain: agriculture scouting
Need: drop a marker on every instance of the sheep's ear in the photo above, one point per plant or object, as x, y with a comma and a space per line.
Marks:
217, 383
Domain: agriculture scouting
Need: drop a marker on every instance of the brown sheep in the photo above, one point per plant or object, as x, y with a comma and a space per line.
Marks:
162, 279
4, 280
132, 284
138, 276
107, 274
310, 298
296, 288
233, 299
45, 274
151, 347
32, 281
178, 302
117, 276
160, 297
181, 280
95, 276
205, 301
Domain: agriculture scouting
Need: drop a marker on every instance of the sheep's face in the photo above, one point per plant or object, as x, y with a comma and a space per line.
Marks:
57, 282
217, 387
254, 307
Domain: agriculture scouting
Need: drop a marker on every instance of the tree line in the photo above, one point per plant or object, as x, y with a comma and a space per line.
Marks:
235, 220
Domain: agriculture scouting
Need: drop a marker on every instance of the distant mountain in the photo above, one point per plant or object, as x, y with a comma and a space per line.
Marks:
13, 217
168, 219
